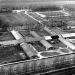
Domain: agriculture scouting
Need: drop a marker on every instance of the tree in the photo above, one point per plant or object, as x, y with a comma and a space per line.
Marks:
3, 25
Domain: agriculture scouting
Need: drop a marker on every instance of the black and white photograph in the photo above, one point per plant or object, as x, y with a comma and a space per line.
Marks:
37, 37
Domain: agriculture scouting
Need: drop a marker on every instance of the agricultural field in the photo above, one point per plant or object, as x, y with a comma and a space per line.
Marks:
36, 39
53, 13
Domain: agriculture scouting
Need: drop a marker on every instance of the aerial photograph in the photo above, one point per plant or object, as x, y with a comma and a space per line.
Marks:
37, 37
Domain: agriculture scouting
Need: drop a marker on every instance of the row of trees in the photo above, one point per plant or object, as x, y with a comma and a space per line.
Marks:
46, 8
55, 23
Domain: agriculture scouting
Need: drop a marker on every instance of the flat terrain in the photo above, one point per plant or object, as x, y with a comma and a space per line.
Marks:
57, 47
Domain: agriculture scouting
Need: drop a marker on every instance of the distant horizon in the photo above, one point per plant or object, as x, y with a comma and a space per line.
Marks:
35, 2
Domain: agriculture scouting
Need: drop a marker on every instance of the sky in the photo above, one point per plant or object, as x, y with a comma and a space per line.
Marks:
24, 2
